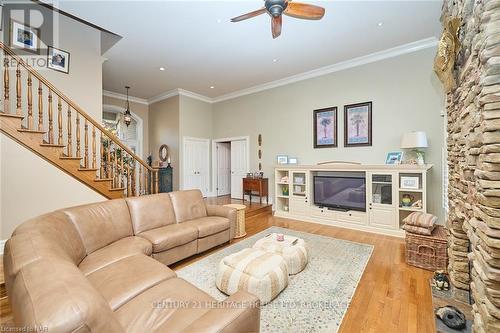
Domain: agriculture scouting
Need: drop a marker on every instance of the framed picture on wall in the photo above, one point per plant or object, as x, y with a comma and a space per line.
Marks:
358, 124
24, 37
325, 127
58, 60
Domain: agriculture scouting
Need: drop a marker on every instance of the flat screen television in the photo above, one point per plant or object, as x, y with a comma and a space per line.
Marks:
340, 192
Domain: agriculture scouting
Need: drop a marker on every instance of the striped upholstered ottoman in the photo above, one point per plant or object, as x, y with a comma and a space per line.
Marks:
261, 273
292, 249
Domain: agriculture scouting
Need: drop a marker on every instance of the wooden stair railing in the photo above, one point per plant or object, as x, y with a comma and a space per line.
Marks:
99, 153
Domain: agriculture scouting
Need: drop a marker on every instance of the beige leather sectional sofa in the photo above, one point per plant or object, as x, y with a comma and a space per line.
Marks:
102, 268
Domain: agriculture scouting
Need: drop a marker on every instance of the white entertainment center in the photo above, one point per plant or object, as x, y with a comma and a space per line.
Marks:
375, 206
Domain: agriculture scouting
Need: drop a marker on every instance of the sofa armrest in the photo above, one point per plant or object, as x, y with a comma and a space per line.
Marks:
238, 313
227, 212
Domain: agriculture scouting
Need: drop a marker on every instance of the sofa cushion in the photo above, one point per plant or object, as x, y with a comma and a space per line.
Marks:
209, 225
101, 223
188, 205
126, 278
54, 295
113, 252
168, 237
169, 306
150, 211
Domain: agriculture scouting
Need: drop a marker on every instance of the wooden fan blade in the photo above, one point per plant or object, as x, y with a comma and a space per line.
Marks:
304, 11
276, 26
248, 15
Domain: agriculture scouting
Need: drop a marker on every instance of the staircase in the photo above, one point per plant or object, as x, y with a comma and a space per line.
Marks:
63, 134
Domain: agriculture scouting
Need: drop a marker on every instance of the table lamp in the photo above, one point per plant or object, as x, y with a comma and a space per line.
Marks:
415, 141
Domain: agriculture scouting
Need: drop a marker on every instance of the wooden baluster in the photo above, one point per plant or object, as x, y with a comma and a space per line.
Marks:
108, 161
6, 83
40, 106
122, 171
129, 181
103, 158
115, 169
30, 102
19, 110
156, 181
59, 122
78, 152
86, 144
140, 179
133, 178
51, 124
94, 155
70, 139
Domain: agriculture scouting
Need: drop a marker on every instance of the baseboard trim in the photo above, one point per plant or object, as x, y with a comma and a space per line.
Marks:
2, 244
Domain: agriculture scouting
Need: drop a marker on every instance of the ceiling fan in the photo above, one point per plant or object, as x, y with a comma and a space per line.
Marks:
276, 8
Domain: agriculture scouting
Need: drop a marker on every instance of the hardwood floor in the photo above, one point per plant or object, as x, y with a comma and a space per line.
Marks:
391, 296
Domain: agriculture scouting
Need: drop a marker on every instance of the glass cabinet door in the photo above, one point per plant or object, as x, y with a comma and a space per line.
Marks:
381, 189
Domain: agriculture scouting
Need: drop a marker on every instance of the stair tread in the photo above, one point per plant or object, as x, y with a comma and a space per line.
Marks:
87, 169
104, 179
64, 157
23, 129
118, 189
12, 115
55, 145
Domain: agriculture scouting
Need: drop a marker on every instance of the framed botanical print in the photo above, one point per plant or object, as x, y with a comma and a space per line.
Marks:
24, 37
358, 124
325, 127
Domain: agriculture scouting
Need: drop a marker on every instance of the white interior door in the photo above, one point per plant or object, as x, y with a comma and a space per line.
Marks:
196, 164
239, 167
223, 151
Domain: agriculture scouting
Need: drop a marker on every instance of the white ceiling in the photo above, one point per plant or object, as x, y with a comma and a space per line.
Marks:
198, 52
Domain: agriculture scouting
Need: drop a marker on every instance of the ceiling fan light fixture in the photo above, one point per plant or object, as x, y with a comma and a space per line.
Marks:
275, 7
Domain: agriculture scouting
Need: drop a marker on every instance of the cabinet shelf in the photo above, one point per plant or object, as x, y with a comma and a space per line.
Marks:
411, 209
283, 196
281, 183
410, 190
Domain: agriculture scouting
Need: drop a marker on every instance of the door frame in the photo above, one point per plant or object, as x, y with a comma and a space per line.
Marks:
214, 158
207, 162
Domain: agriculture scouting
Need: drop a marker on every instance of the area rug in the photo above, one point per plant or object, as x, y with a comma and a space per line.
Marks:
316, 299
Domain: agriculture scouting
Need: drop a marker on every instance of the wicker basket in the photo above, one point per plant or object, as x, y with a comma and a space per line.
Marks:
428, 252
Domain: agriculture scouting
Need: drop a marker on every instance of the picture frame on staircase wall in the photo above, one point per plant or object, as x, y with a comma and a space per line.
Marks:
58, 60
24, 37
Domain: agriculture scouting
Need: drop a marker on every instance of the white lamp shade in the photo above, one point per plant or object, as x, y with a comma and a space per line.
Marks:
414, 140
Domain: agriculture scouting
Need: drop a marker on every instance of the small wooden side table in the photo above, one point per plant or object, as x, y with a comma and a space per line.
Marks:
259, 185
240, 219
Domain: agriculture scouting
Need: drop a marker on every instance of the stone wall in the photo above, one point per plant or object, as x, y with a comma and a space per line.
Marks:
473, 110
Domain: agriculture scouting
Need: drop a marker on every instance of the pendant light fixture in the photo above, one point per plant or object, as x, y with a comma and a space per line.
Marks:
127, 116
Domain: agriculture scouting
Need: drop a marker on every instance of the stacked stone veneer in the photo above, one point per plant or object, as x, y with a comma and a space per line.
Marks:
473, 110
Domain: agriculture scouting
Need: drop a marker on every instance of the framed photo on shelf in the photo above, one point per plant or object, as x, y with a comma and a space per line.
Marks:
358, 124
394, 158
410, 183
325, 127
282, 159
24, 37
57, 59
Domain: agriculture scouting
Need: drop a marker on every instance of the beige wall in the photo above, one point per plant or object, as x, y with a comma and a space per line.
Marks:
405, 94
142, 111
195, 121
30, 186
164, 123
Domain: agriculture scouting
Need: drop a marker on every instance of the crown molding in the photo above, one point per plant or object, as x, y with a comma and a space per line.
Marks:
179, 92
363, 60
366, 59
162, 96
123, 97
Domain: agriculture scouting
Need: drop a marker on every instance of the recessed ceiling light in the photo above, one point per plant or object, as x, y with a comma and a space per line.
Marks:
275, 60
219, 20
380, 24
212, 87
162, 68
